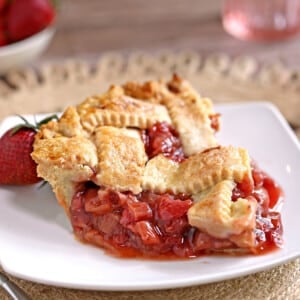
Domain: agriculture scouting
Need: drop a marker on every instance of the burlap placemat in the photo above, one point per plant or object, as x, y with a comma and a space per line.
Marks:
52, 87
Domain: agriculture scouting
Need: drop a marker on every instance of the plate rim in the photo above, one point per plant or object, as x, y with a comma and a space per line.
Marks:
166, 285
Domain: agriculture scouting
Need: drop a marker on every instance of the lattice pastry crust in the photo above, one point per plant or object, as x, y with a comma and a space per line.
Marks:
198, 172
100, 140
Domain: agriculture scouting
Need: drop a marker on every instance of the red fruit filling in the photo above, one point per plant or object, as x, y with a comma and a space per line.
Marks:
156, 225
162, 138
268, 194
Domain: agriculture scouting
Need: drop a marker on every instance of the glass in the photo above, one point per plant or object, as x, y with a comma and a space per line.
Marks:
261, 19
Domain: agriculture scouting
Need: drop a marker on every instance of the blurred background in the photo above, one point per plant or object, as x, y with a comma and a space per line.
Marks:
89, 28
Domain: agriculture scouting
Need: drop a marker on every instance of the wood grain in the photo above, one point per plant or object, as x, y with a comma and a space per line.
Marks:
89, 28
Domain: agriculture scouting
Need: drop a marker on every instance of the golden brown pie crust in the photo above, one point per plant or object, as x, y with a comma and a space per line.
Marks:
100, 140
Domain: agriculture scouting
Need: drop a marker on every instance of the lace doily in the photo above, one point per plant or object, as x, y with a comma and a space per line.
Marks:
52, 87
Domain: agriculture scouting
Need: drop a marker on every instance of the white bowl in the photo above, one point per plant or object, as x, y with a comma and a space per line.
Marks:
20, 53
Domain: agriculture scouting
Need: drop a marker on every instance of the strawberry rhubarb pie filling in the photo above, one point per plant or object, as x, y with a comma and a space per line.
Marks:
139, 172
157, 224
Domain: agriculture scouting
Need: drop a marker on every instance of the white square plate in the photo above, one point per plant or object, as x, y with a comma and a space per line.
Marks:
36, 240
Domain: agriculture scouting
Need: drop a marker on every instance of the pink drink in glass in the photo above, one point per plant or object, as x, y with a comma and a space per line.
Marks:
261, 19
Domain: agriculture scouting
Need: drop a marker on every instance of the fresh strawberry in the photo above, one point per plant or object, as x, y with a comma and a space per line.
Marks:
27, 17
16, 164
2, 5
17, 167
3, 39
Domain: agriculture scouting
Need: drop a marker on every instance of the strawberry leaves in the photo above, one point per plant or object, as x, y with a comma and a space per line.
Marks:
35, 126
16, 145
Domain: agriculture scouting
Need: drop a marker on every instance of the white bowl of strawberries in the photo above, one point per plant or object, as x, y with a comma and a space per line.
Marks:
26, 28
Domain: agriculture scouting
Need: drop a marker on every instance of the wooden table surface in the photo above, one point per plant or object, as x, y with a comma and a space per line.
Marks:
86, 29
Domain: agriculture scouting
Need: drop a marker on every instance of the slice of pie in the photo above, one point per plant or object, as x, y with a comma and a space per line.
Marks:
139, 172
